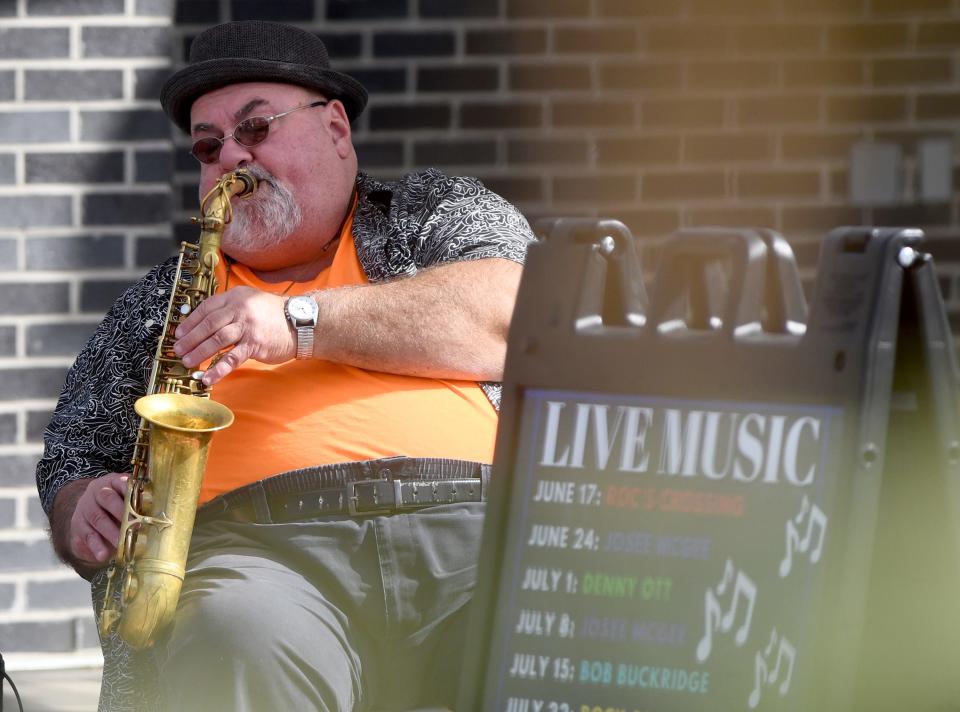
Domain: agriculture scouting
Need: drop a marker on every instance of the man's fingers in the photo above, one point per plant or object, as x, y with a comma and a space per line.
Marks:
218, 341
90, 545
110, 500
199, 314
81, 550
118, 483
226, 364
103, 523
204, 330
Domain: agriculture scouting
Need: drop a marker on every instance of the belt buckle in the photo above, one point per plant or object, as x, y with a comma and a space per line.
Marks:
368, 497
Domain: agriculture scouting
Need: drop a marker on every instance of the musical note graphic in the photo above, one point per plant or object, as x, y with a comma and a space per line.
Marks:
760, 671
816, 525
716, 619
763, 676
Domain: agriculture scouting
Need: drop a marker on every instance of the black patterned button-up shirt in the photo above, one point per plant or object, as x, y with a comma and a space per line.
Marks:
424, 219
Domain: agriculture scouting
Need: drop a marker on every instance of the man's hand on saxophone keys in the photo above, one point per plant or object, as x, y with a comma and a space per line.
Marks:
95, 525
240, 324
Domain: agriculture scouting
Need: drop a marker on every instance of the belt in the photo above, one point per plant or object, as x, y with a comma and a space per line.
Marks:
356, 489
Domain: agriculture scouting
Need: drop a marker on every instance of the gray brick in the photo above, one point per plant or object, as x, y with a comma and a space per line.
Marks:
34, 42
8, 169
123, 125
24, 555
35, 210
149, 250
87, 167
455, 152
8, 340
280, 10
39, 382
126, 208
153, 166
34, 126
17, 470
37, 637
75, 252
33, 298
366, 9
380, 153
7, 89
8, 592
75, 7
57, 339
471, 8
85, 630
71, 593
158, 8
8, 253
558, 151
36, 517
37, 421
126, 42
98, 296
380, 80
412, 44
147, 82
409, 117
8, 428
506, 41
8, 513
184, 162
81, 85
205, 12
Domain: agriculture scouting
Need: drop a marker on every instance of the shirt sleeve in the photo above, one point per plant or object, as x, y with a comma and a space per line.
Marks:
93, 428
466, 221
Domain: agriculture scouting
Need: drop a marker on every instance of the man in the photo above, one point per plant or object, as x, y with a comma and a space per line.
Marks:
292, 600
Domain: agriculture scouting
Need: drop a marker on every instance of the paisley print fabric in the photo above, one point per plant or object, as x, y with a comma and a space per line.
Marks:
424, 219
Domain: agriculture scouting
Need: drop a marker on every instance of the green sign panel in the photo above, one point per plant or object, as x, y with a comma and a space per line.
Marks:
662, 554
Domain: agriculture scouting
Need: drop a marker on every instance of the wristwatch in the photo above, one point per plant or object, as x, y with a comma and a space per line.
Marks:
302, 314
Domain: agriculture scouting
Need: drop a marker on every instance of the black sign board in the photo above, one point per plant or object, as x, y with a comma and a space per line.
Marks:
701, 500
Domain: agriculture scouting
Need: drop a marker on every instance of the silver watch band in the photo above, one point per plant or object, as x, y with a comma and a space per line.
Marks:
304, 342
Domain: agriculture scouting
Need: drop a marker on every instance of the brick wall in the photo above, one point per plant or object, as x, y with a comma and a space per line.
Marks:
662, 113
85, 165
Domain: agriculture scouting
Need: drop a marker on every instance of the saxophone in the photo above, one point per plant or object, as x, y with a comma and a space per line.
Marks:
177, 420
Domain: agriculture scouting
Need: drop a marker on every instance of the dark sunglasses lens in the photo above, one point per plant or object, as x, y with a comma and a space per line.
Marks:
206, 150
252, 131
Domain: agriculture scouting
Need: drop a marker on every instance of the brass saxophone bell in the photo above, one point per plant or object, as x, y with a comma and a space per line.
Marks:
180, 431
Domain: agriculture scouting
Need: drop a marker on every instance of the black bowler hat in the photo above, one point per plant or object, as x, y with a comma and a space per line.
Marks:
256, 51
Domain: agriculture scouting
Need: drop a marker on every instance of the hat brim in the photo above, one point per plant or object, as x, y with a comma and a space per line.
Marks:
190, 83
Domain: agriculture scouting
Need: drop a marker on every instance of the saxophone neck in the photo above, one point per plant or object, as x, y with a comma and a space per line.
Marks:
216, 212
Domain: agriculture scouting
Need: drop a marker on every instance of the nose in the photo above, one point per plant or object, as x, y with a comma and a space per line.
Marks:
233, 155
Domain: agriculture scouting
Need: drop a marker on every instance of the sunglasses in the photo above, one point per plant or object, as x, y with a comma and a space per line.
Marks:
247, 133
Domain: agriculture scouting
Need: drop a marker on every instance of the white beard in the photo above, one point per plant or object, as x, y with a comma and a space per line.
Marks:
266, 218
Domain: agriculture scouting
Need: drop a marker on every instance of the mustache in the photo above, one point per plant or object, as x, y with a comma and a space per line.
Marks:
262, 175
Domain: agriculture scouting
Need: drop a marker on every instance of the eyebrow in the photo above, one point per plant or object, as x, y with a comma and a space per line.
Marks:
237, 115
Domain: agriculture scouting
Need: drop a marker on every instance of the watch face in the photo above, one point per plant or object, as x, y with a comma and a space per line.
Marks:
301, 308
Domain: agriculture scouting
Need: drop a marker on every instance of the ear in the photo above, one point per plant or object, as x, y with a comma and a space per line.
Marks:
339, 127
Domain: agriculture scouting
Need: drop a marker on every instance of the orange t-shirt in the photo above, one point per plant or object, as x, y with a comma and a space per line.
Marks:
312, 412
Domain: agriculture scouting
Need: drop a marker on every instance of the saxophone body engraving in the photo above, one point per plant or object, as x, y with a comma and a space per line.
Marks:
177, 421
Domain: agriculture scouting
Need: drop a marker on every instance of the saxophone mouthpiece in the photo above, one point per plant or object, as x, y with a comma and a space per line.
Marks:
249, 182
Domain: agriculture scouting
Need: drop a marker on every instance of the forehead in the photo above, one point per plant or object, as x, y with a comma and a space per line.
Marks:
223, 104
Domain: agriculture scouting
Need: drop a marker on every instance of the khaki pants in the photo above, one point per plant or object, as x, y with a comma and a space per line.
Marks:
332, 614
